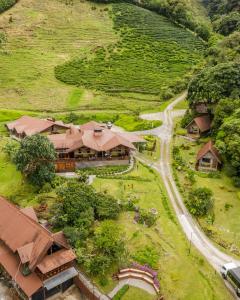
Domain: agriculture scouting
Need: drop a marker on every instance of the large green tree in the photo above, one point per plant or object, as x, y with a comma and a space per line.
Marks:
200, 201
214, 83
228, 143
34, 159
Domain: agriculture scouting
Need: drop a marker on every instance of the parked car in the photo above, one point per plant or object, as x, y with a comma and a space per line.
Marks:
231, 273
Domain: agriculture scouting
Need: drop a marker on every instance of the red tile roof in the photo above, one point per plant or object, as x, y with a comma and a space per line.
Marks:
209, 147
31, 125
96, 138
55, 260
30, 212
11, 263
203, 123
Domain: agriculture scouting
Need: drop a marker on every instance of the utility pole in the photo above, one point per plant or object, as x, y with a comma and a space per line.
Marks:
190, 245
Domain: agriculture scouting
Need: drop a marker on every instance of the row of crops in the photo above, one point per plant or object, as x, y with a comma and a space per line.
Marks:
153, 54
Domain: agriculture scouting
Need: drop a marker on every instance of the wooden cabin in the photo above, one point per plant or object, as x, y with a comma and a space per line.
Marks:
208, 158
199, 126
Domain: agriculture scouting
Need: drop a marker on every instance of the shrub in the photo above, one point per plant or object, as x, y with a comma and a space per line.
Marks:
200, 201
147, 256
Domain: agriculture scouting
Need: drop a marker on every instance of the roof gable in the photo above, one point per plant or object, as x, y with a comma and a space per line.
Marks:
208, 147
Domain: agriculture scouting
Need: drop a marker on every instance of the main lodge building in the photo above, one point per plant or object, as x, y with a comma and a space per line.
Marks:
90, 144
37, 262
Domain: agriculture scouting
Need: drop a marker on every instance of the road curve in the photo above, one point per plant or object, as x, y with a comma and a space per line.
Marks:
190, 227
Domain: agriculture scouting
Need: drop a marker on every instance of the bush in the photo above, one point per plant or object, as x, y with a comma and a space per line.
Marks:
146, 218
147, 256
6, 4
200, 201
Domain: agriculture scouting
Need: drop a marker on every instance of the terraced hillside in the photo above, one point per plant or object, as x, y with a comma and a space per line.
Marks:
41, 36
151, 56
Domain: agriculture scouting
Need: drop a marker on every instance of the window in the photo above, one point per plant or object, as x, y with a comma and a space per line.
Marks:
206, 160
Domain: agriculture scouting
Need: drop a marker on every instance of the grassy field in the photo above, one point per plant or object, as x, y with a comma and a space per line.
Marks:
182, 276
43, 36
226, 227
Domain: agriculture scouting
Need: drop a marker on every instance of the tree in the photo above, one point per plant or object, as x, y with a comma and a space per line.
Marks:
35, 159
227, 24
224, 109
200, 201
214, 83
228, 142
109, 240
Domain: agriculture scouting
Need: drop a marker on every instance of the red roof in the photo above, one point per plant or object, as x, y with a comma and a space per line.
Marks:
209, 147
31, 125
57, 259
10, 261
96, 138
203, 123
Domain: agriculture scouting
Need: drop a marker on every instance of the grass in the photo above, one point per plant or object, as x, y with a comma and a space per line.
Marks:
137, 294
182, 105
75, 98
226, 227
181, 276
41, 37
13, 185
134, 123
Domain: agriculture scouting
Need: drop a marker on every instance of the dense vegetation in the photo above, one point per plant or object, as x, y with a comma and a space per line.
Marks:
218, 84
178, 11
6, 4
79, 206
153, 56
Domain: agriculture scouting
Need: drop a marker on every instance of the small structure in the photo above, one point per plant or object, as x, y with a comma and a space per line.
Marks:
92, 145
38, 263
27, 126
208, 158
198, 126
201, 108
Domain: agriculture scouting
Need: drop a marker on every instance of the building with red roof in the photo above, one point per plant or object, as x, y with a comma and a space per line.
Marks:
38, 262
27, 126
208, 158
92, 143
199, 125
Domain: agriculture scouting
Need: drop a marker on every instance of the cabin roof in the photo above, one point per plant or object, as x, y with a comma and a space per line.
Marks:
203, 123
209, 147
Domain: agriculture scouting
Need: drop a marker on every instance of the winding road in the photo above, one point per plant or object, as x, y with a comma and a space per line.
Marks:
190, 227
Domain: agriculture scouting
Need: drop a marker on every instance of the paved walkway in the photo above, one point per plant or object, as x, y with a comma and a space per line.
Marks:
133, 282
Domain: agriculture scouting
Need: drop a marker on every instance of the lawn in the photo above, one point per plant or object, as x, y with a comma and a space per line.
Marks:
137, 294
226, 227
181, 276
13, 185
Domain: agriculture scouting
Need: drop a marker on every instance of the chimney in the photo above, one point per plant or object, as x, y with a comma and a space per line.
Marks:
98, 131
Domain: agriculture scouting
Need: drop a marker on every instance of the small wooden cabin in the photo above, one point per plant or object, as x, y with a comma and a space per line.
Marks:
198, 126
208, 158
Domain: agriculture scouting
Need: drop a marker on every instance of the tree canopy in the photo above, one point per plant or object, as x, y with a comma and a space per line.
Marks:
34, 159
200, 201
214, 83
228, 143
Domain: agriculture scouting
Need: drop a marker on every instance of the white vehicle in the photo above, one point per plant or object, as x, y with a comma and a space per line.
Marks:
231, 273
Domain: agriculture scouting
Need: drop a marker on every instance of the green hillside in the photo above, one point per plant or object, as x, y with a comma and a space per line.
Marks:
152, 55
44, 36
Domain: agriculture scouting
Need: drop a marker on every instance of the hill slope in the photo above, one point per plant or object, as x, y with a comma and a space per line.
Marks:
42, 36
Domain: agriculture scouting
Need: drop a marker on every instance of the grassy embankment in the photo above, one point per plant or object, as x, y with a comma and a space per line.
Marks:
226, 226
182, 276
